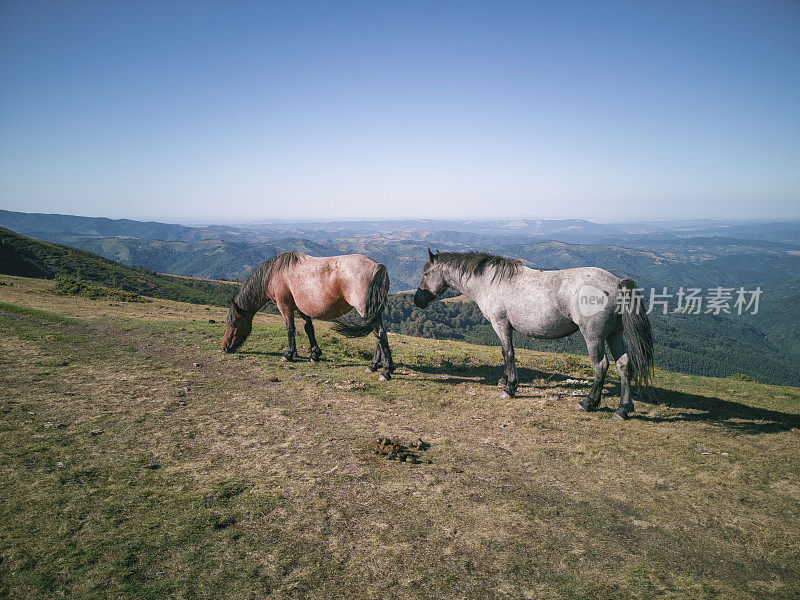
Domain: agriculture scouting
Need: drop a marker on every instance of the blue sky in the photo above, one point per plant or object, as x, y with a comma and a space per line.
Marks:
254, 110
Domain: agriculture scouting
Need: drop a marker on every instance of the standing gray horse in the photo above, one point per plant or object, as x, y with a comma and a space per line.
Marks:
549, 305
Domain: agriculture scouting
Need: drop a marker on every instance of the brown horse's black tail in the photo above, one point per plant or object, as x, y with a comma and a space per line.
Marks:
377, 292
638, 331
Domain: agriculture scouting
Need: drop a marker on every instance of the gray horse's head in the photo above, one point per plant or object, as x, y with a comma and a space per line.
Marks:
433, 284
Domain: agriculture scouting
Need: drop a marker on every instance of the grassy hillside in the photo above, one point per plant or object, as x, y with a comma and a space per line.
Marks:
140, 462
20, 255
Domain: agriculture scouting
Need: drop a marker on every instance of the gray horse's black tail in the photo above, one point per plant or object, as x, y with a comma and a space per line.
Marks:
638, 331
375, 303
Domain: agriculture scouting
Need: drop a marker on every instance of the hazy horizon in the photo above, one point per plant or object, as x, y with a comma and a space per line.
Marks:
608, 220
228, 112
252, 222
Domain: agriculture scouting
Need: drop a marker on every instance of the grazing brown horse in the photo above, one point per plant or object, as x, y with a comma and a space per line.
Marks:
317, 288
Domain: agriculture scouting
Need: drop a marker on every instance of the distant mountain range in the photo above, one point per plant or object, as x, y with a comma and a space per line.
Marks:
675, 254
45, 226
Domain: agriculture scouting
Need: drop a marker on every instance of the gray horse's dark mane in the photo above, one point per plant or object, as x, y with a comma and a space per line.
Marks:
253, 294
476, 263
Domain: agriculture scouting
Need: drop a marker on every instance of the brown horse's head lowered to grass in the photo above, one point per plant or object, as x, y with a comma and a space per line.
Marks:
252, 296
239, 325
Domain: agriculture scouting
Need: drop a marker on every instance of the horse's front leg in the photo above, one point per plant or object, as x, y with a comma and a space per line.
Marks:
386, 352
288, 319
314, 350
509, 380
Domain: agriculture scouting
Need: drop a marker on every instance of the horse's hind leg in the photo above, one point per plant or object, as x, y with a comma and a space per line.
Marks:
597, 354
382, 344
619, 353
314, 350
288, 319
388, 362
377, 356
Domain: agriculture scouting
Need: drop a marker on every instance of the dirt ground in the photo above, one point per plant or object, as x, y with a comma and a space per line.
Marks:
138, 461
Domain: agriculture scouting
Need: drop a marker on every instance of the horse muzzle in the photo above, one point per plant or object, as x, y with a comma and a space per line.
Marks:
231, 346
423, 297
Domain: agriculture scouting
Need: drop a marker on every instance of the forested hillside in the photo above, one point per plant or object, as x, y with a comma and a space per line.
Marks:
26, 257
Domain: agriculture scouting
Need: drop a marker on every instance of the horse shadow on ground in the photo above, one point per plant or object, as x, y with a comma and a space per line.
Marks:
264, 353
733, 415
488, 375
278, 355
736, 416
302, 358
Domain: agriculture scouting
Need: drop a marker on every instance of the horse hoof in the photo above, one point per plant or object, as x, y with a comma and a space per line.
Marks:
383, 378
284, 359
312, 360
620, 416
581, 408
370, 369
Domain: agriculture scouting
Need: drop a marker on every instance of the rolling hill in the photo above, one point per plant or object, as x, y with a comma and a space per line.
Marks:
23, 256
719, 263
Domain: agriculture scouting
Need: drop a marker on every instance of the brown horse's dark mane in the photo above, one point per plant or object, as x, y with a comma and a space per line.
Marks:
253, 294
475, 263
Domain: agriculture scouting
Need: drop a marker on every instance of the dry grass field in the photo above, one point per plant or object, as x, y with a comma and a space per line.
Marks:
138, 461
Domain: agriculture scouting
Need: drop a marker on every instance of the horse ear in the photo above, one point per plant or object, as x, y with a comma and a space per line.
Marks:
431, 255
